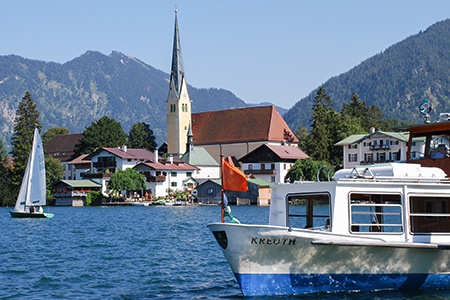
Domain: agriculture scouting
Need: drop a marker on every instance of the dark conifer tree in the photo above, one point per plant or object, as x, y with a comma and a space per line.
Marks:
141, 136
324, 123
27, 119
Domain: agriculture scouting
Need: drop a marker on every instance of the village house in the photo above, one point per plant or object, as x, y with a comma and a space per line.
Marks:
374, 147
271, 162
73, 192
61, 147
167, 175
259, 192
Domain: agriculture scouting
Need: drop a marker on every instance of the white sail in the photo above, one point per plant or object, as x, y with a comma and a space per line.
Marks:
33, 188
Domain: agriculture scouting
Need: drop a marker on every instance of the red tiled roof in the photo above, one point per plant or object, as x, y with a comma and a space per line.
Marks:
80, 160
62, 146
131, 153
288, 152
241, 125
275, 153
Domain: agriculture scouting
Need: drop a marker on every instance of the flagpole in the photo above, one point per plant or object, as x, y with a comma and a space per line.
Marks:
222, 204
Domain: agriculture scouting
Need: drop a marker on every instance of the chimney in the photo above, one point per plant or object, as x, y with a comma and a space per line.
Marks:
171, 159
124, 148
156, 155
372, 129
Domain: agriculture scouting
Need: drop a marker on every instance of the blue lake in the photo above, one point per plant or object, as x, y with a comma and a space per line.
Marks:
130, 252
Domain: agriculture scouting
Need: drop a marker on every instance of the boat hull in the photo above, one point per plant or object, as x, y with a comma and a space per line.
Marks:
19, 214
272, 260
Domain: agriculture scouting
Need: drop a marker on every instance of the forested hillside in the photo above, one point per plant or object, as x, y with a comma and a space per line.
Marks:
81, 91
397, 80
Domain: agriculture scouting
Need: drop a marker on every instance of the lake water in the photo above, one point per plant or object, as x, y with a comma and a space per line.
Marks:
130, 252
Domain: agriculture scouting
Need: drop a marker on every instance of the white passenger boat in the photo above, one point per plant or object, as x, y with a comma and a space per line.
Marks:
380, 227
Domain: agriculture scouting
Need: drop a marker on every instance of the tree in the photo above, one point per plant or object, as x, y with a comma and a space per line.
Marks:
22, 139
52, 132
325, 121
105, 132
129, 180
6, 195
141, 137
303, 137
369, 116
54, 171
307, 170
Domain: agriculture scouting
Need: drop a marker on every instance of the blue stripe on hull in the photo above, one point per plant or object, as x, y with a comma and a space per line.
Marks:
290, 284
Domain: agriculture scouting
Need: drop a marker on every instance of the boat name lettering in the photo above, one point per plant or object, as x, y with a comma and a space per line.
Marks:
272, 241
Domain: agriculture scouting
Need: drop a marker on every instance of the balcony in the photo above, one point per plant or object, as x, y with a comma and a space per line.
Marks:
95, 175
104, 164
379, 147
261, 172
157, 178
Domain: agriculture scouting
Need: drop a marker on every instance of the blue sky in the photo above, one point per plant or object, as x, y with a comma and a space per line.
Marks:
263, 51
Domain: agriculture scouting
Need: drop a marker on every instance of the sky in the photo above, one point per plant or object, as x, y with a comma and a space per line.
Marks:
262, 51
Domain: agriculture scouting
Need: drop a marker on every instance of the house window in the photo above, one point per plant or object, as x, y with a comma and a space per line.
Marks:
263, 166
210, 191
188, 174
284, 166
250, 167
352, 157
173, 184
353, 146
272, 166
173, 174
272, 178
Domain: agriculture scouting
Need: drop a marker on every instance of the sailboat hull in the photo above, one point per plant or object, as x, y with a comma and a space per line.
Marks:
20, 214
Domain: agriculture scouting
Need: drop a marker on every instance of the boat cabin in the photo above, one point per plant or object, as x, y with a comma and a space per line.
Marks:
397, 202
428, 145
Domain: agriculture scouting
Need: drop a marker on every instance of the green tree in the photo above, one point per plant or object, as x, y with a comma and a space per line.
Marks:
54, 171
307, 170
142, 137
129, 180
105, 132
22, 139
325, 121
6, 195
52, 132
368, 116
94, 198
303, 137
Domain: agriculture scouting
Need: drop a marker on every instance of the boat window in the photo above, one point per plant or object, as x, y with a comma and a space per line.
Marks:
375, 213
309, 211
429, 214
430, 145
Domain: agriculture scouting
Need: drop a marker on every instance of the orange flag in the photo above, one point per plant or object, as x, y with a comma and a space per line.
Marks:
233, 178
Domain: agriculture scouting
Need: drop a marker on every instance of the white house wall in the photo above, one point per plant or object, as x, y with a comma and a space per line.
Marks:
363, 148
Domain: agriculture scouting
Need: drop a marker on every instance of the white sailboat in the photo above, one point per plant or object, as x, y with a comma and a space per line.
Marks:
32, 194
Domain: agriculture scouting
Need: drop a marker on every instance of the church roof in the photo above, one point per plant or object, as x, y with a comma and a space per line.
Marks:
252, 124
198, 156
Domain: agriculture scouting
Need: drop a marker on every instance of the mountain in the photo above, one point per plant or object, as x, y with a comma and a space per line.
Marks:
397, 80
81, 91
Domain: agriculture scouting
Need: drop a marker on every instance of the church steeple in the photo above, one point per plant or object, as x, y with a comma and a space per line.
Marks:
177, 70
178, 101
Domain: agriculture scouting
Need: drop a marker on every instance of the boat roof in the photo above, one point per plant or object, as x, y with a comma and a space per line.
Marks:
392, 171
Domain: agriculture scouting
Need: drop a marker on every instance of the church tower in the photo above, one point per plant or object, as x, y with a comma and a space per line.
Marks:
178, 101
